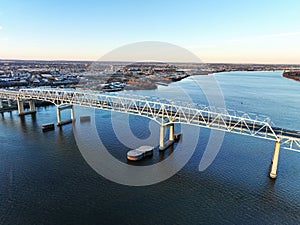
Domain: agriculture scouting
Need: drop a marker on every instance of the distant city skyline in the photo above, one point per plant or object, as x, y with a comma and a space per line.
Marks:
216, 31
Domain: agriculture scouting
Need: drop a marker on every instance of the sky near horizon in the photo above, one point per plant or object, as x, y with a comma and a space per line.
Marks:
227, 31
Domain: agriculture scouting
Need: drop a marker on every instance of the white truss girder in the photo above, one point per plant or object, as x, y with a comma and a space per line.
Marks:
165, 112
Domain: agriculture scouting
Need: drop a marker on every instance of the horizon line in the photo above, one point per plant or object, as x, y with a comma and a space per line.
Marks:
128, 61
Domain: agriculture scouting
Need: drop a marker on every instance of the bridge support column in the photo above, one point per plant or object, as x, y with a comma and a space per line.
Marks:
32, 108
1, 104
21, 110
161, 137
72, 113
274, 163
164, 145
59, 109
20, 104
9, 103
171, 132
58, 115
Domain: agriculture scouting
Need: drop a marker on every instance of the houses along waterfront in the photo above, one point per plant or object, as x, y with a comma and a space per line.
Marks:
114, 76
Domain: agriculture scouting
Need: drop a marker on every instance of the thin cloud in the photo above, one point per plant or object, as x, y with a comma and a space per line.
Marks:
1, 27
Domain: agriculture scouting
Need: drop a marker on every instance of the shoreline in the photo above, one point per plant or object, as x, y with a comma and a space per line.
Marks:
294, 75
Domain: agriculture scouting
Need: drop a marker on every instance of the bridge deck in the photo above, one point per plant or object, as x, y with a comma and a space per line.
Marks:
165, 112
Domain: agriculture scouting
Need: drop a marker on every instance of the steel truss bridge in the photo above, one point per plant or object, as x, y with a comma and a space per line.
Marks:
167, 113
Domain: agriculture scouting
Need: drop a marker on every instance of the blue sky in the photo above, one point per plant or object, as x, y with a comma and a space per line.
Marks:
216, 31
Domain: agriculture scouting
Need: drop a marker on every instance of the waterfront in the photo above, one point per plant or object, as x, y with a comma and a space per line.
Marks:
45, 180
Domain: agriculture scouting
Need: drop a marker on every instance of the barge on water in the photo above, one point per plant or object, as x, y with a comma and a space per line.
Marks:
139, 153
47, 127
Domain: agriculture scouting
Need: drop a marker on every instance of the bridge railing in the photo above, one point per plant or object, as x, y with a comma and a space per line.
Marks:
164, 112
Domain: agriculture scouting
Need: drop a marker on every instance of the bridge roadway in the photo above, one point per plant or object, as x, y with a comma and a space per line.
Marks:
232, 125
166, 113
163, 113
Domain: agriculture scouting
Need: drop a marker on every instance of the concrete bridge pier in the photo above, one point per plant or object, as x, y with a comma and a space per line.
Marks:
20, 104
274, 163
72, 113
1, 104
58, 111
21, 111
32, 108
162, 144
9, 103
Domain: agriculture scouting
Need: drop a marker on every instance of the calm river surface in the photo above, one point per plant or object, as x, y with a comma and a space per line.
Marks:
45, 180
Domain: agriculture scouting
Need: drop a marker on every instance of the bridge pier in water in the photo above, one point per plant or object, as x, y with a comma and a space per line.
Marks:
165, 113
274, 162
162, 144
8, 103
21, 111
58, 111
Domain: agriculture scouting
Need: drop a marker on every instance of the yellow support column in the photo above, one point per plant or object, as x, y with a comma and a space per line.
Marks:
161, 137
274, 164
171, 132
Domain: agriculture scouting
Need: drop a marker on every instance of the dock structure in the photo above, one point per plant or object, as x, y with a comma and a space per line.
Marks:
166, 113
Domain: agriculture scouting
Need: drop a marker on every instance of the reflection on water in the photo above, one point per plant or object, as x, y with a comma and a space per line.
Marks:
45, 180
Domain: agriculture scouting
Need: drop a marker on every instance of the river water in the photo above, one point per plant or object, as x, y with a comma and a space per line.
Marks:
45, 180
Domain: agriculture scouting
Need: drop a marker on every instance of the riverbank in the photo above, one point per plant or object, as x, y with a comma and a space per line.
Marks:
295, 75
